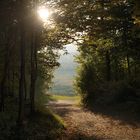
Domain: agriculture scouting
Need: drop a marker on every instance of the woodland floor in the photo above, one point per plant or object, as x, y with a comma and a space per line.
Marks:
82, 124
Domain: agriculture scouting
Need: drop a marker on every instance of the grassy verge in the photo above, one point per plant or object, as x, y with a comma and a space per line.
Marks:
42, 125
59, 97
76, 100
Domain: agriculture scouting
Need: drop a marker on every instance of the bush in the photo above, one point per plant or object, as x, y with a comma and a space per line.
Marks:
115, 92
111, 93
84, 83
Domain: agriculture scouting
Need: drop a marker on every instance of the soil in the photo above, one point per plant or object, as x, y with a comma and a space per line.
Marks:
82, 124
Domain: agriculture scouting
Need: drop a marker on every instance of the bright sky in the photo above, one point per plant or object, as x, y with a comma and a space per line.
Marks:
44, 14
71, 48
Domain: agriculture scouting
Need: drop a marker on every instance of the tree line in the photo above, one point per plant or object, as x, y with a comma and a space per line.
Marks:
28, 51
107, 33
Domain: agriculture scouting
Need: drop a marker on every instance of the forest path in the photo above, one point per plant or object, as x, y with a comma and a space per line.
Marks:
82, 124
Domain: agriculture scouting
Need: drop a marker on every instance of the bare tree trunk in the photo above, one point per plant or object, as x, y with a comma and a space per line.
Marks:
125, 42
22, 75
108, 66
4, 76
33, 63
128, 65
33, 71
2, 92
25, 88
107, 54
8, 82
13, 81
116, 70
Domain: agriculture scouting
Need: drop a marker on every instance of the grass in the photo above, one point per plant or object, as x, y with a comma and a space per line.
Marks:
50, 115
43, 124
60, 97
75, 99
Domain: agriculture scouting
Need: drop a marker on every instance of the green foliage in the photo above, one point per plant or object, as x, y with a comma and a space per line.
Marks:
29, 53
43, 124
108, 58
85, 82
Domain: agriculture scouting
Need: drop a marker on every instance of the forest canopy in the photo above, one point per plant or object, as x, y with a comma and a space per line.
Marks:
107, 33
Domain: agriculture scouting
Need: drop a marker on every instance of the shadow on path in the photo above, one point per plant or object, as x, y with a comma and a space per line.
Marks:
82, 124
126, 113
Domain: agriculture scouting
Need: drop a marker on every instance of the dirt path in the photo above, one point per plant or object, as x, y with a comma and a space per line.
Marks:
85, 125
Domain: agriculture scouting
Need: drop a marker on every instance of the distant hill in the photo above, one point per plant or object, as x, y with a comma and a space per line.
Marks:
64, 75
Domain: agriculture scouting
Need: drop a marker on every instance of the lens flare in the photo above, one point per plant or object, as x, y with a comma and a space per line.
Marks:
44, 14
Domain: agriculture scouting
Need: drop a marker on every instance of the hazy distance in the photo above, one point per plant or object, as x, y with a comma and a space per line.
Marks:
64, 75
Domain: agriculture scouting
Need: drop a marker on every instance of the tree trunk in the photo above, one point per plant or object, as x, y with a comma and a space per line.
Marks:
22, 75
128, 65
4, 76
13, 82
125, 41
33, 71
2, 93
108, 67
8, 82
116, 69
25, 88
33, 63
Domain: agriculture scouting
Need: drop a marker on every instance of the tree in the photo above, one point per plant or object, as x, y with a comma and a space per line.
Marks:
106, 29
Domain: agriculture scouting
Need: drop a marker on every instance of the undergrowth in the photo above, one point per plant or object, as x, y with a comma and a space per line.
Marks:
41, 125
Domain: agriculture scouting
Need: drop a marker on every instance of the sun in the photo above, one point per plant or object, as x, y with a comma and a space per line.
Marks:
44, 14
